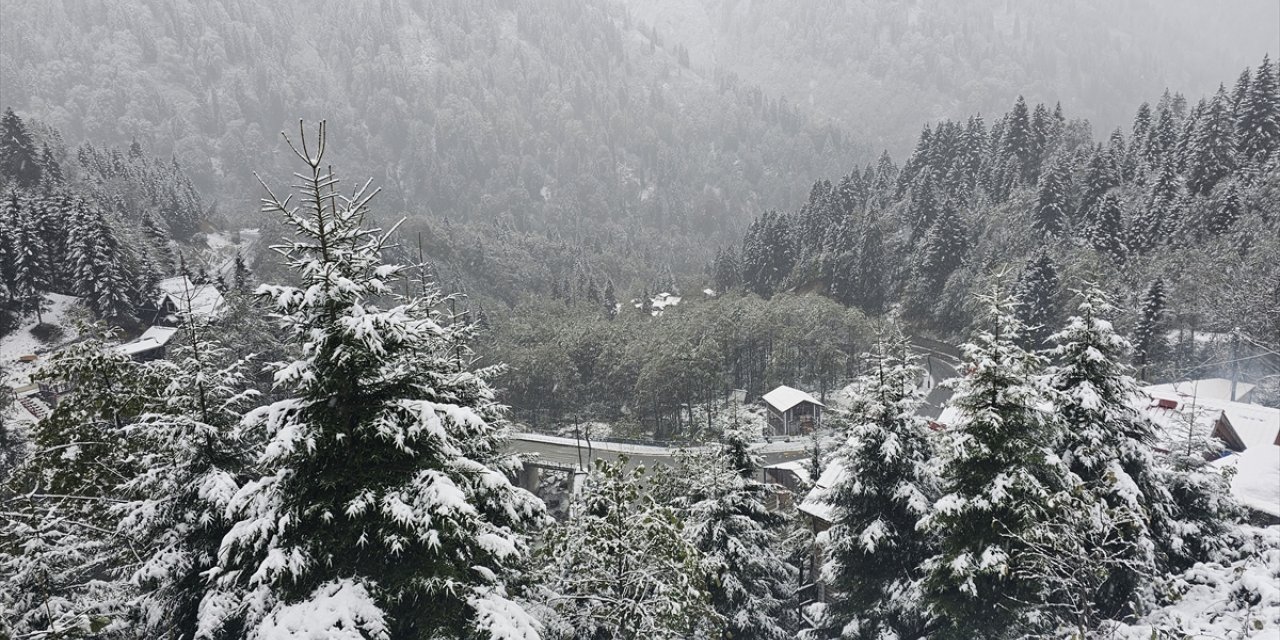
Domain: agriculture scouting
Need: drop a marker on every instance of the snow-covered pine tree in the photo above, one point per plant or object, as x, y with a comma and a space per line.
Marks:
10, 211
189, 455
1204, 509
620, 566
1108, 444
384, 510
158, 238
1212, 151
923, 208
97, 260
1160, 217
1258, 124
1148, 333
728, 519
1018, 142
1221, 215
1002, 480
941, 254
1100, 176
1106, 233
19, 159
30, 259
240, 275
60, 550
875, 547
1050, 216
1139, 134
1038, 300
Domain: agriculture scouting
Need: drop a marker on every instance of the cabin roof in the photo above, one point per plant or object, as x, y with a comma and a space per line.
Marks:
784, 398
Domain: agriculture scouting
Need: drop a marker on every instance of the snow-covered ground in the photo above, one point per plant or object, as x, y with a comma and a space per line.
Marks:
1236, 597
61, 311
221, 256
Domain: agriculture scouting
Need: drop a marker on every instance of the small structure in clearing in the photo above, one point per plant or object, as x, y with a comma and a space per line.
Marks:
792, 411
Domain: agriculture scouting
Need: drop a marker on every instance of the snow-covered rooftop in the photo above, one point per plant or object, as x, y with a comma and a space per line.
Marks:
815, 504
1257, 481
1214, 388
152, 338
784, 398
1255, 424
798, 467
203, 301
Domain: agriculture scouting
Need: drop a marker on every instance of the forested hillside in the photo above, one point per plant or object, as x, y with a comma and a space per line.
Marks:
879, 69
1176, 215
558, 117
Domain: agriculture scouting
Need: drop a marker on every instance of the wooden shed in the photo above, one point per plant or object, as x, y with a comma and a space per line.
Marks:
792, 411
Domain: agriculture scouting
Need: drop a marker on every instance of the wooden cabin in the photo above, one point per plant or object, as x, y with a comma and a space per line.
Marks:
792, 411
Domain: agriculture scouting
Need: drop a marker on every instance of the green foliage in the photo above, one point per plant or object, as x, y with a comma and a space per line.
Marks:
620, 567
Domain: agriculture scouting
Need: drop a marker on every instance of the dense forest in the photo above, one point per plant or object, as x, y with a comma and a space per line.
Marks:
557, 118
482, 347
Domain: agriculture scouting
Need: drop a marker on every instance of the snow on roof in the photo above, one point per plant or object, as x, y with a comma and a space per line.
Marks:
203, 300
784, 398
1171, 421
1254, 424
798, 467
152, 338
815, 503
1257, 480
1213, 388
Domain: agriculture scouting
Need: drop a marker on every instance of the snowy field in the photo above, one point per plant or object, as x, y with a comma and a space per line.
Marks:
62, 311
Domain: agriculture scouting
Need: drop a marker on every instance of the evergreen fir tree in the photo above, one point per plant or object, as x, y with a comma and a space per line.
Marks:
1240, 93
30, 259
1106, 233
875, 546
97, 261
869, 284
944, 247
1223, 214
240, 275
610, 299
738, 538
726, 272
1212, 152
1002, 481
1100, 177
50, 170
1258, 124
190, 455
1037, 293
923, 208
19, 159
1108, 444
1148, 334
1051, 201
620, 567
1141, 132
60, 549
1019, 142
1162, 139
1160, 218
385, 508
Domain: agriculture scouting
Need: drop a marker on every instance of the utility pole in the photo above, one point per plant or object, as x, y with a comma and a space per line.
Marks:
1235, 361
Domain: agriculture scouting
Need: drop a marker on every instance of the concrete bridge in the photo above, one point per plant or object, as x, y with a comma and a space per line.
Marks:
576, 456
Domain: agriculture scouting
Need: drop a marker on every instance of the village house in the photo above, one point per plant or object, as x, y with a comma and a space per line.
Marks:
792, 411
179, 296
150, 345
